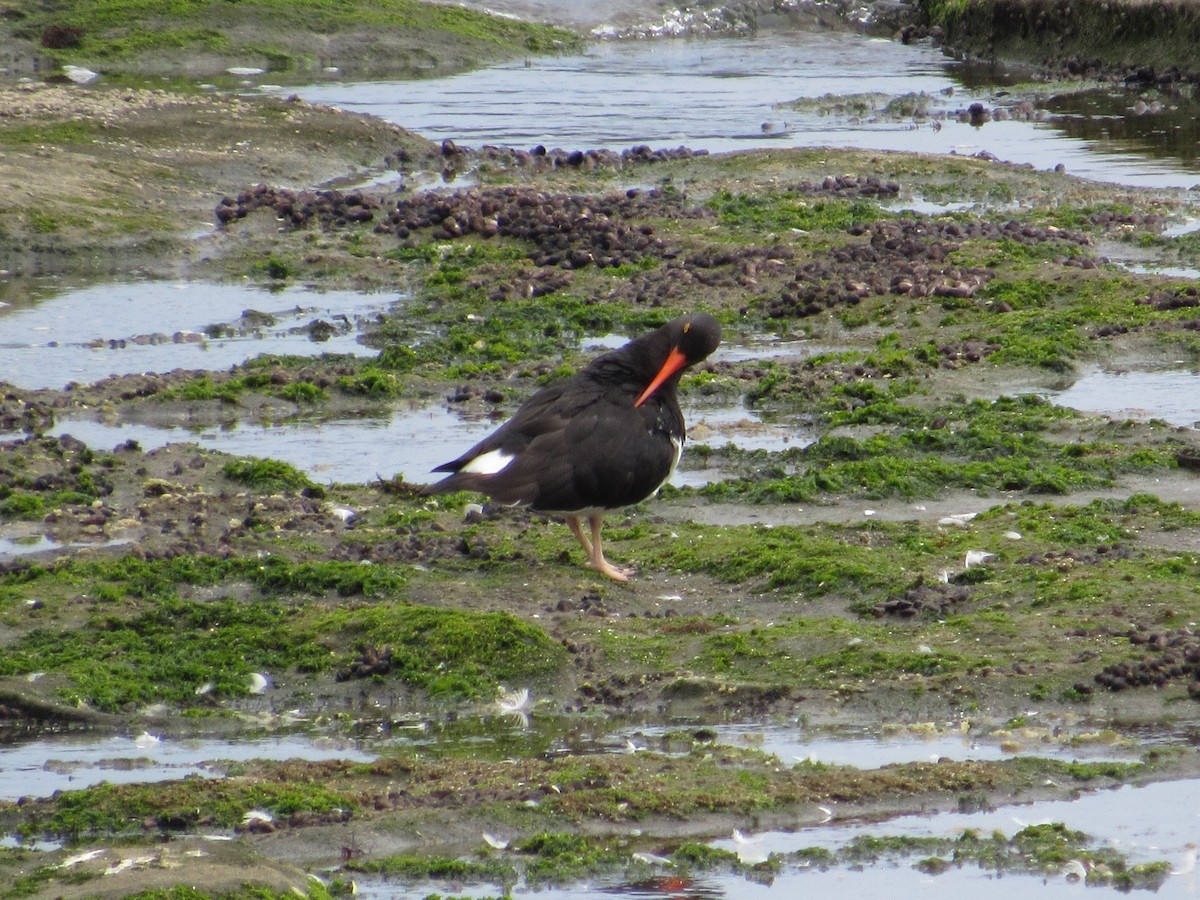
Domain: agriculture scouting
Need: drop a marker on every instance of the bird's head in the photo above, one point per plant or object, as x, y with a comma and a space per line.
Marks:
690, 340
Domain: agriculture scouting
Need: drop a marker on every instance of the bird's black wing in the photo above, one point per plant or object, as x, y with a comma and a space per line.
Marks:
540, 413
571, 447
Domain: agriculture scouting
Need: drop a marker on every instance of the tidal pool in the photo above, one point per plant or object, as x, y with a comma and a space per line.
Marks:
1146, 824
866, 749
38, 768
84, 333
406, 442
1172, 395
23, 545
871, 883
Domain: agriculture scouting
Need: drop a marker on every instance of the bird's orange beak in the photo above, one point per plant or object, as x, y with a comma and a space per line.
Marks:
675, 361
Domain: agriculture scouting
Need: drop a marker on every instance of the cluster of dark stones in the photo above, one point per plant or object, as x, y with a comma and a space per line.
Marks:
935, 599
49, 464
132, 386
1067, 559
1181, 298
432, 545
527, 284
590, 604
1166, 79
954, 232
27, 414
804, 379
1177, 657
674, 282
371, 660
540, 159
466, 393
566, 231
847, 187
965, 352
298, 208
1111, 330
1105, 218
905, 257
252, 824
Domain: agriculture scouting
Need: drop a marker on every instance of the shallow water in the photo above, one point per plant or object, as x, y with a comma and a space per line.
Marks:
84, 333
1170, 395
40, 767
726, 94
408, 443
354, 450
411, 443
37, 767
11, 547
1147, 824
845, 884
863, 749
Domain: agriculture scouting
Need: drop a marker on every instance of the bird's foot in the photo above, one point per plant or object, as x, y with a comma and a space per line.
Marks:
616, 573
595, 550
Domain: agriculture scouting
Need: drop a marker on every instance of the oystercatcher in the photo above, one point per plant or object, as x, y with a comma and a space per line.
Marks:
607, 437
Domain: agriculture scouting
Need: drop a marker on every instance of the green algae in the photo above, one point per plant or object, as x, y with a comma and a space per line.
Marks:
807, 622
475, 336
1096, 33
171, 647
451, 653
122, 35
427, 868
718, 780
122, 809
766, 211
268, 475
232, 390
559, 858
1049, 849
1004, 445
315, 891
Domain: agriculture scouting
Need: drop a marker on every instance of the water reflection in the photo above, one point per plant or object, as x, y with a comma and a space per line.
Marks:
406, 442
50, 337
40, 767
1171, 395
39, 543
735, 94
1166, 128
1146, 823
864, 749
712, 95
859, 884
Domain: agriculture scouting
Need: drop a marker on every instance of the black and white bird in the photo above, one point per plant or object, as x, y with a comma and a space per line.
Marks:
607, 437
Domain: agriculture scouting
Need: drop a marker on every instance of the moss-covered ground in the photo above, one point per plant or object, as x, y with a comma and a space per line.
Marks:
179, 41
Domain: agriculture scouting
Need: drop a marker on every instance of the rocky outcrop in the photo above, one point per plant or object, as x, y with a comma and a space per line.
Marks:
1145, 42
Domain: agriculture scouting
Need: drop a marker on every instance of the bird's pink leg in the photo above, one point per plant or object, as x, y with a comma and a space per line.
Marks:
596, 558
577, 529
593, 549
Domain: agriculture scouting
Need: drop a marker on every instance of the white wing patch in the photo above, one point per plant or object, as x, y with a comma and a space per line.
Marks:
489, 463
